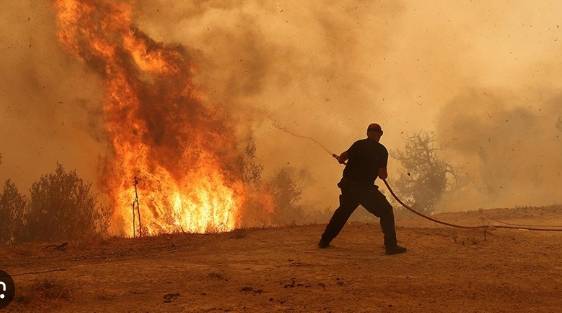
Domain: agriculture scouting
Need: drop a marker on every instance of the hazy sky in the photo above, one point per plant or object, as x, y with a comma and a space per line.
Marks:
483, 75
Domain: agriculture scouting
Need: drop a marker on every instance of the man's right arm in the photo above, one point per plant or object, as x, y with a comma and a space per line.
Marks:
342, 158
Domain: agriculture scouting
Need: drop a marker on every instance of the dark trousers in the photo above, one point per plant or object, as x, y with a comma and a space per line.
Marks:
352, 195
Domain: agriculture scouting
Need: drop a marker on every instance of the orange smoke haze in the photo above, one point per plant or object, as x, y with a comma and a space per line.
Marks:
328, 70
173, 92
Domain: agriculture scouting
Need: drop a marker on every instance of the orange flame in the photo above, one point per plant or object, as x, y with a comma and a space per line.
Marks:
182, 150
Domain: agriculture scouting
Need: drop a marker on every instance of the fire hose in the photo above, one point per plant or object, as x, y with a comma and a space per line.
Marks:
510, 226
484, 227
409, 208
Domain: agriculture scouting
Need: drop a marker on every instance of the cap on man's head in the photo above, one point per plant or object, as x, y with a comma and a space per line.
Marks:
375, 127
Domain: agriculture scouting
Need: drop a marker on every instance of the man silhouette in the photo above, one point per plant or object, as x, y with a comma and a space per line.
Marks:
366, 160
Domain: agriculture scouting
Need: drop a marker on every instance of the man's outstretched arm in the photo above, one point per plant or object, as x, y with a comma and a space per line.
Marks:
342, 157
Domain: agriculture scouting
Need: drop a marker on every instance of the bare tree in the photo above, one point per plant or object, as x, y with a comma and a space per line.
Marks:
425, 176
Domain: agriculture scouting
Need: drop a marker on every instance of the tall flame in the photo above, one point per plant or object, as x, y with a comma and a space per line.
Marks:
180, 149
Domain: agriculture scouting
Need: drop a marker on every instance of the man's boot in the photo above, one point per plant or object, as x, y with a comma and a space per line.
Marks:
395, 249
323, 244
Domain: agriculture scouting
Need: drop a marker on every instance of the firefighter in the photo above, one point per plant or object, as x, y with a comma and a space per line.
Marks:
365, 160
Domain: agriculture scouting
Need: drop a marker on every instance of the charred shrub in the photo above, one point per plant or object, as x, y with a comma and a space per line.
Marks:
287, 195
12, 209
63, 206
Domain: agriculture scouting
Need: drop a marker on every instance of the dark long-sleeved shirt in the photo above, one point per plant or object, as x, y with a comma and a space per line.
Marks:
365, 157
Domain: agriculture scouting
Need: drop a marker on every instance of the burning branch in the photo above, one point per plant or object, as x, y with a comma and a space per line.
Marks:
136, 205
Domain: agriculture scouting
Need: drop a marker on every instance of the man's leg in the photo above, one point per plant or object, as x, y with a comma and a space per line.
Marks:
348, 204
375, 202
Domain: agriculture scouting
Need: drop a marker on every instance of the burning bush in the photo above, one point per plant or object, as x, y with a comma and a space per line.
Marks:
425, 176
63, 206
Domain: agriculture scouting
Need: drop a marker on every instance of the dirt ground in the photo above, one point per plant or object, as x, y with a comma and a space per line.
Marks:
282, 270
